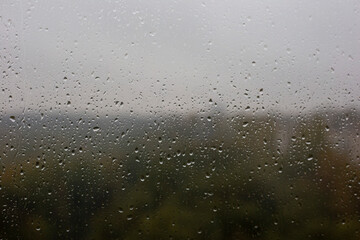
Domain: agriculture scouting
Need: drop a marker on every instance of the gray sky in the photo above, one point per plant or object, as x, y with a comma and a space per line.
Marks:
158, 56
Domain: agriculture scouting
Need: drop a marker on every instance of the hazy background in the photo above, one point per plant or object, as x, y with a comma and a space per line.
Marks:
159, 56
180, 119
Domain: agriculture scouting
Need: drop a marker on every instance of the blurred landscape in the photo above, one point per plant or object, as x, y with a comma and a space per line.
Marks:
214, 175
180, 120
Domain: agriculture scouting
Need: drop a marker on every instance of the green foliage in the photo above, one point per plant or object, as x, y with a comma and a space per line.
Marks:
241, 180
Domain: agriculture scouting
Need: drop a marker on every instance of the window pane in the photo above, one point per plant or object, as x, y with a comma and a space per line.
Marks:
179, 119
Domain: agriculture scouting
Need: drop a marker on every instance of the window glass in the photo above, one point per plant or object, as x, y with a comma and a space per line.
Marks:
179, 119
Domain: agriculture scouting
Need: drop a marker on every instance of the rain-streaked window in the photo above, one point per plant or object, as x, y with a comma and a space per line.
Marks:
180, 119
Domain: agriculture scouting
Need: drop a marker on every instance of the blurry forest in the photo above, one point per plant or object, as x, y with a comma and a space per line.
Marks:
195, 176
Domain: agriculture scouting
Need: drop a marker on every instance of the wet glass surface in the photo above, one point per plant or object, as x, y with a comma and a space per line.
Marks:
179, 120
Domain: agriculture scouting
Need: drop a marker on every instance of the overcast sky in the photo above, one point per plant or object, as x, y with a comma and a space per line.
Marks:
156, 56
